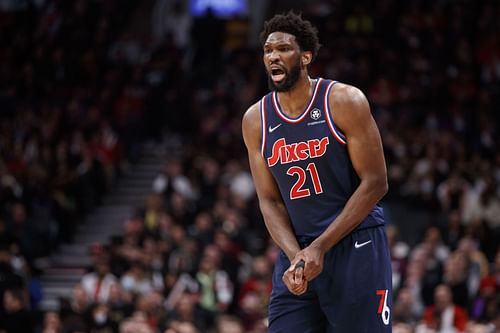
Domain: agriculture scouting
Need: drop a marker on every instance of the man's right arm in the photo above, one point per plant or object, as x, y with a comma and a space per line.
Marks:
270, 201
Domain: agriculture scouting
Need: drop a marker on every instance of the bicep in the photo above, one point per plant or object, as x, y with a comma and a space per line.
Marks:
265, 184
352, 114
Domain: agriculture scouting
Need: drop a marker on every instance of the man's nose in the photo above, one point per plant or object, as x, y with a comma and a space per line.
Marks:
273, 56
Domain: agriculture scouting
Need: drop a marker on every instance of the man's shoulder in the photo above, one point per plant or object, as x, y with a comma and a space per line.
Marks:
251, 124
343, 92
252, 114
348, 98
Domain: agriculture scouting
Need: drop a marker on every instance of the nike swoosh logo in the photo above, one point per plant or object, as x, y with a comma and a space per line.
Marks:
356, 245
272, 129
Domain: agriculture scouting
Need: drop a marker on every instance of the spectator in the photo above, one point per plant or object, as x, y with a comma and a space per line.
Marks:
434, 254
486, 302
74, 311
100, 321
120, 303
51, 323
405, 309
137, 279
187, 310
228, 324
9, 278
135, 324
455, 276
16, 318
399, 256
216, 290
97, 284
444, 315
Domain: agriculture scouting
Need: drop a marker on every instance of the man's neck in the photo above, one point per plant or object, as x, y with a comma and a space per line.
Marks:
294, 101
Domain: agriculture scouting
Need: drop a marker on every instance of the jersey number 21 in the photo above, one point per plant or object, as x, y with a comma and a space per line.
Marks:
297, 190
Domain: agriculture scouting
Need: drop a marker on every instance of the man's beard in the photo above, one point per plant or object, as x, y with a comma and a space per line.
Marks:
290, 79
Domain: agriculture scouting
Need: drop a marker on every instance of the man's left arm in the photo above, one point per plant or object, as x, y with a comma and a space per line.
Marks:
351, 113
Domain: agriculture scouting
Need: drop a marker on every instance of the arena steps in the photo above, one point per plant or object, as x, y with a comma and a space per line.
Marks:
64, 269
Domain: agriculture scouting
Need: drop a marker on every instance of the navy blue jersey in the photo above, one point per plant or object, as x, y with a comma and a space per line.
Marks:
308, 158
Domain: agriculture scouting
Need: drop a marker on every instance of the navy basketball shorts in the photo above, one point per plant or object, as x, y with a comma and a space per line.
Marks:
353, 294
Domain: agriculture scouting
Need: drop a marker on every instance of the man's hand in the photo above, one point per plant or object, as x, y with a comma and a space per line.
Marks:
294, 277
313, 258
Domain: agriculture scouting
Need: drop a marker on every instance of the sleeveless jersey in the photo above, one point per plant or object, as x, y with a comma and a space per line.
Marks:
308, 158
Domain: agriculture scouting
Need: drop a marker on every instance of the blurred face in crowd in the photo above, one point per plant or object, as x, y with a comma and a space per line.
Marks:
405, 299
282, 59
18, 213
402, 328
477, 328
181, 327
12, 302
261, 267
432, 237
207, 265
100, 314
135, 326
442, 297
79, 296
115, 293
51, 322
102, 268
456, 267
185, 306
229, 325
4, 257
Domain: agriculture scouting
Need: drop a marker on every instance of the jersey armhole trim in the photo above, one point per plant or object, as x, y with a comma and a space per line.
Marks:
336, 133
262, 107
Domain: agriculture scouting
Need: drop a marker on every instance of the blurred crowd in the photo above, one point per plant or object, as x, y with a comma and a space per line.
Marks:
78, 94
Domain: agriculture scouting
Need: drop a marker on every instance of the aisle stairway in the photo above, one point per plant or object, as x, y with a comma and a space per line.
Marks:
66, 267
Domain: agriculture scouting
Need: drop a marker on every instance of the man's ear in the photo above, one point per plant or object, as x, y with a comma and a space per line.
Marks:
306, 58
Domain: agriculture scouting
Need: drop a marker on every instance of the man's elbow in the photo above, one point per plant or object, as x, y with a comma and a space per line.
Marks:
379, 187
269, 204
382, 186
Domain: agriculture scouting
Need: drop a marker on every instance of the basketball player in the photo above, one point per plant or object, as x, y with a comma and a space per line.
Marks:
317, 162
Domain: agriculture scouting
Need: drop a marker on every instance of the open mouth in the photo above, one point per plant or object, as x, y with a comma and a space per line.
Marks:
277, 74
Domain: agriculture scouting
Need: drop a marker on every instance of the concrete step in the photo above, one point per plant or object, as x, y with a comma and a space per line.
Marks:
56, 291
61, 260
111, 225
77, 249
111, 208
103, 231
146, 171
49, 304
107, 213
55, 284
132, 182
64, 269
95, 237
61, 280
149, 164
133, 200
144, 189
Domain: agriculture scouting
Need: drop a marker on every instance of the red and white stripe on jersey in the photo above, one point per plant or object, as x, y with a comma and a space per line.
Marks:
283, 116
338, 136
263, 124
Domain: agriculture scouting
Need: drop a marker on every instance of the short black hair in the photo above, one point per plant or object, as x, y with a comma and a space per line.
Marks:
305, 33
